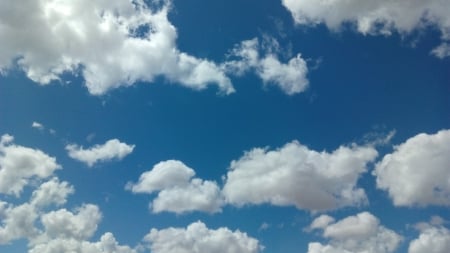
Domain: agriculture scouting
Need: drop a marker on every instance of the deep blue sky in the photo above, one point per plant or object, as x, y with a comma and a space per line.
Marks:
358, 85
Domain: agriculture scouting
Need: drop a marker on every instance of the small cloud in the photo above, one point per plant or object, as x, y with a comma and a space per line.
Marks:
110, 150
264, 226
37, 125
90, 137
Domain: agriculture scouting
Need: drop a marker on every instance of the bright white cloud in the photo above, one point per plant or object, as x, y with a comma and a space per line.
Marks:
296, 175
18, 165
17, 222
112, 44
65, 224
290, 77
110, 150
417, 172
434, 239
179, 192
197, 238
51, 192
321, 222
107, 244
163, 175
37, 125
377, 17
361, 233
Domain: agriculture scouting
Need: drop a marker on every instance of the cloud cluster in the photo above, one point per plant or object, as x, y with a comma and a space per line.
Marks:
417, 172
377, 17
19, 165
433, 239
296, 175
112, 149
111, 44
178, 191
289, 77
361, 233
197, 238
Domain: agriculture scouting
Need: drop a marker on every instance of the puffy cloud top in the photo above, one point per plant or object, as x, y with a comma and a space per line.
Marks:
178, 191
112, 44
296, 175
377, 17
417, 172
361, 233
18, 165
197, 238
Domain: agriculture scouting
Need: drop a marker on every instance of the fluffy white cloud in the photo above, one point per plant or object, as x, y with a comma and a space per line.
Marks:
163, 175
65, 224
65, 231
112, 149
51, 192
296, 175
112, 44
361, 233
417, 172
17, 222
290, 76
434, 239
197, 238
107, 244
18, 165
377, 17
178, 191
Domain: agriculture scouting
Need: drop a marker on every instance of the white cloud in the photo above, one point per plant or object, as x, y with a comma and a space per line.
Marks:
65, 224
290, 77
197, 238
112, 149
163, 175
37, 125
295, 175
321, 222
107, 244
112, 44
376, 17
434, 239
417, 172
361, 233
16, 222
179, 192
51, 192
20, 164
65, 231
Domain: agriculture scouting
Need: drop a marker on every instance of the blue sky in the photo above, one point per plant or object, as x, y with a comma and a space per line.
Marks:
225, 126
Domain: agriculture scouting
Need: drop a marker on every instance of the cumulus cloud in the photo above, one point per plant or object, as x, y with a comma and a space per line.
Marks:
18, 165
17, 222
433, 239
66, 231
111, 44
178, 191
110, 150
290, 77
51, 192
377, 17
361, 233
197, 238
417, 171
296, 175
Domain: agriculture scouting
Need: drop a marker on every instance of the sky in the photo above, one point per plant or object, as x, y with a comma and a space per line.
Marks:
169, 126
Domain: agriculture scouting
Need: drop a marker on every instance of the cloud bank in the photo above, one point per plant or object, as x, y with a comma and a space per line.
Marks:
110, 44
377, 17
